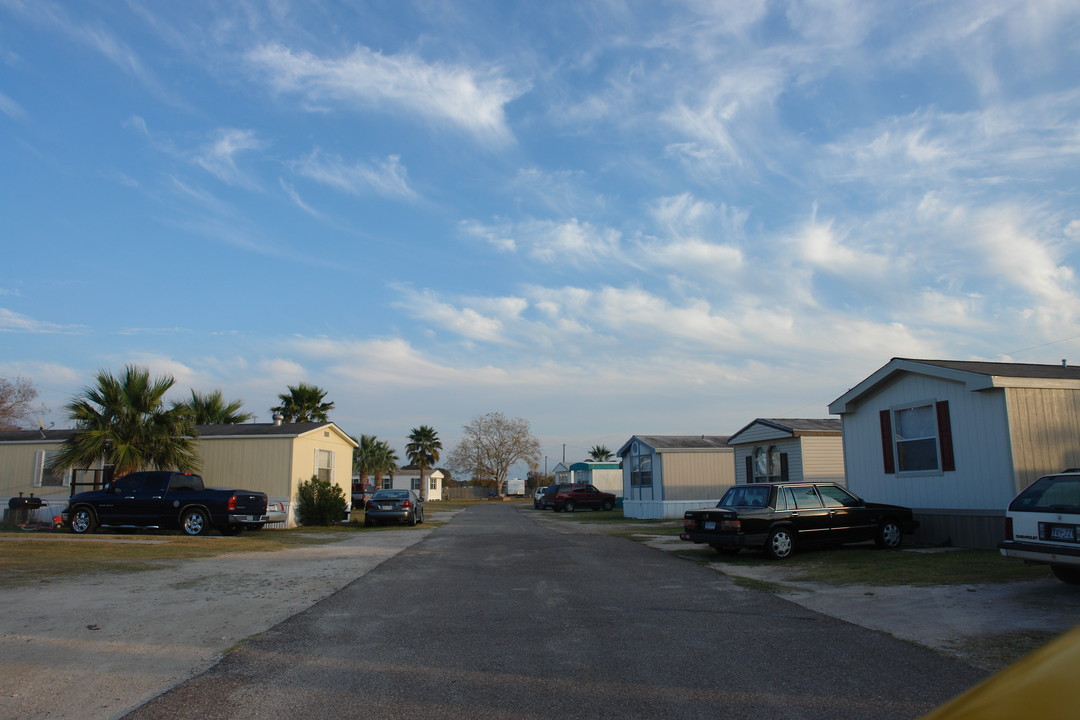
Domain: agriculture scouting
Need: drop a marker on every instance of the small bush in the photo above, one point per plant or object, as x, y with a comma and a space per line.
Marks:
319, 502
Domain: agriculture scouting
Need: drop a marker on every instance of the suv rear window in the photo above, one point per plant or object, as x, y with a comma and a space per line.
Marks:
1053, 493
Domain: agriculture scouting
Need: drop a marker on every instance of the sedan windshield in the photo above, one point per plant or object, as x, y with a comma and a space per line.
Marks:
745, 496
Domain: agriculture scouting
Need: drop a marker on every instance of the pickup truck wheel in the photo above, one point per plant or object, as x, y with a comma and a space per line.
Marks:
889, 535
609, 505
412, 519
195, 522
781, 544
568, 506
83, 520
1068, 575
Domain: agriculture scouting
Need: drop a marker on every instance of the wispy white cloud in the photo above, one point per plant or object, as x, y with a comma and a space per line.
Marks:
468, 98
570, 241
219, 156
90, 33
13, 322
388, 178
11, 108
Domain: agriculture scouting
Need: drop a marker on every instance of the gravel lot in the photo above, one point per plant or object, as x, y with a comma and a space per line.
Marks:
98, 646
101, 645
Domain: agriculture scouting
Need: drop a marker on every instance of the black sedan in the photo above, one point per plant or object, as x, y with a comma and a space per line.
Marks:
395, 505
778, 517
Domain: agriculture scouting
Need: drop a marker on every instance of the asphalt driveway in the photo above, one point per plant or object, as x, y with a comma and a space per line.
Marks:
499, 615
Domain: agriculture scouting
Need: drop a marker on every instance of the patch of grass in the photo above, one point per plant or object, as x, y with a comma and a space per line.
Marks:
994, 652
860, 565
763, 585
31, 558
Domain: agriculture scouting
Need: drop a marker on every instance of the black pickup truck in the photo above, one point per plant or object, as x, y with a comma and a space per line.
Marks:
166, 500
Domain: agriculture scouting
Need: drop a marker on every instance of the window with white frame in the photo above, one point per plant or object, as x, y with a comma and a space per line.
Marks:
641, 462
916, 437
43, 477
324, 465
767, 465
433, 483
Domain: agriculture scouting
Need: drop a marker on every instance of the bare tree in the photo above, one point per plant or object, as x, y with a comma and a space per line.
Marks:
493, 443
17, 407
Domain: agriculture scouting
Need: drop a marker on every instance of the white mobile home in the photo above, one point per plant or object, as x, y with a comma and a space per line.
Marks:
957, 440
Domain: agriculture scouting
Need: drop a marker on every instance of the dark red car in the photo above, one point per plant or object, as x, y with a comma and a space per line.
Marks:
567, 498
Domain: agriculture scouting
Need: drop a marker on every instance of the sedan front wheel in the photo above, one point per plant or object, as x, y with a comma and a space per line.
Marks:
889, 535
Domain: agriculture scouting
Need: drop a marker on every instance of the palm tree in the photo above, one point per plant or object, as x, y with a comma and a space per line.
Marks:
423, 450
363, 457
600, 453
124, 423
384, 461
211, 409
304, 403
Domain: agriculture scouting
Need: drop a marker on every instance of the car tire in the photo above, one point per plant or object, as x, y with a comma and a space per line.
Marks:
608, 505
781, 544
83, 520
889, 535
412, 519
1065, 574
568, 506
195, 522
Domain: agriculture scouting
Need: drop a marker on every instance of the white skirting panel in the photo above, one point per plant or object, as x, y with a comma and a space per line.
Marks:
658, 510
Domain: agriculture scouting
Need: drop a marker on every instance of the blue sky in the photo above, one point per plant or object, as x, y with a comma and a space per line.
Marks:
608, 217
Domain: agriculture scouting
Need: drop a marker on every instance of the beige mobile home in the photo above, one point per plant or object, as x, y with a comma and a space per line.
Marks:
666, 475
268, 457
779, 450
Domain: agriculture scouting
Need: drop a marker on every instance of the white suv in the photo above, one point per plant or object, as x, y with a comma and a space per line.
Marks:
1042, 525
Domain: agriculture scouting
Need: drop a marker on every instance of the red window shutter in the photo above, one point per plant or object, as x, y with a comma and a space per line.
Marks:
886, 442
944, 426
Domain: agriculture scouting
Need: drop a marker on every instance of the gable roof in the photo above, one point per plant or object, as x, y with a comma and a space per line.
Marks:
35, 436
974, 375
679, 443
794, 427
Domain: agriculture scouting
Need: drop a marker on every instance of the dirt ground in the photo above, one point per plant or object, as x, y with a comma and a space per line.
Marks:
988, 625
101, 645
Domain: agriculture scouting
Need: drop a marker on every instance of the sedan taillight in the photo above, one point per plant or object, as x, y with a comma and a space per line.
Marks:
369, 505
406, 504
730, 526
690, 524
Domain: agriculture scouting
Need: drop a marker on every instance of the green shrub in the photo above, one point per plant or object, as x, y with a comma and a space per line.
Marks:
319, 502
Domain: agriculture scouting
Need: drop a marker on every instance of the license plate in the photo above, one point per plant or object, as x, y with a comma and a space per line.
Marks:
1063, 532
710, 524
386, 507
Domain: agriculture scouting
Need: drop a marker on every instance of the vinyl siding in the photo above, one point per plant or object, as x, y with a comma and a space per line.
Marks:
261, 464
17, 471
983, 479
823, 458
695, 475
1044, 432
